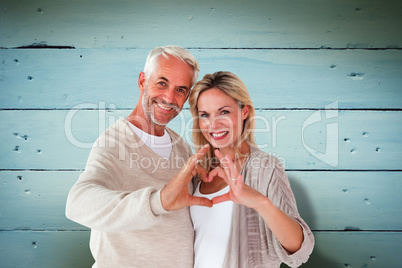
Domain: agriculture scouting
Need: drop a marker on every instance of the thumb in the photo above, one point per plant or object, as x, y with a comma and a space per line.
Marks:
200, 201
221, 198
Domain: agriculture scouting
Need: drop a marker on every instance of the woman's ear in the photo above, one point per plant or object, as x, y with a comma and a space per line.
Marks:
245, 111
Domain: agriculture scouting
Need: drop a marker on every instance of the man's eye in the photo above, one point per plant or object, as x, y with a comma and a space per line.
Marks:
162, 83
182, 91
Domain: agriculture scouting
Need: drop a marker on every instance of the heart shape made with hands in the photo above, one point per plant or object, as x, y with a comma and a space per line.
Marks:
174, 195
228, 172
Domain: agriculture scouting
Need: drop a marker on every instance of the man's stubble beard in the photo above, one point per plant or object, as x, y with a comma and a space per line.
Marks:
146, 106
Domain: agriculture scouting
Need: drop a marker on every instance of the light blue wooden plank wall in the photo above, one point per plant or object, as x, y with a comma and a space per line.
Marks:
325, 76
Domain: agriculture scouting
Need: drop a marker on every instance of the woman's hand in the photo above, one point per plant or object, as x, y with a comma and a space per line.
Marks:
239, 192
286, 229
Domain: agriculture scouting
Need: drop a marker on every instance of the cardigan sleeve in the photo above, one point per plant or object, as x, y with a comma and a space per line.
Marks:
252, 243
281, 195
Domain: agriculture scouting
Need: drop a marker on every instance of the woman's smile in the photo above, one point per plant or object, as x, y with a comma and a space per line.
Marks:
218, 135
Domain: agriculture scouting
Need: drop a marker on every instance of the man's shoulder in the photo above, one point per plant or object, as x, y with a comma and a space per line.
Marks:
117, 133
178, 141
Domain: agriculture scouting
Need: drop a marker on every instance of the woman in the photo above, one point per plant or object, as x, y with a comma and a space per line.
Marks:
259, 226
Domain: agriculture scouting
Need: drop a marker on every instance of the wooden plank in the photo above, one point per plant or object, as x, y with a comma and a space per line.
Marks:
356, 249
63, 79
45, 249
35, 200
349, 200
254, 24
307, 140
70, 249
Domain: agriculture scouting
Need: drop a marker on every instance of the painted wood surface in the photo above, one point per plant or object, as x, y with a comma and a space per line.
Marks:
346, 249
327, 200
212, 24
285, 79
325, 76
36, 225
365, 140
45, 249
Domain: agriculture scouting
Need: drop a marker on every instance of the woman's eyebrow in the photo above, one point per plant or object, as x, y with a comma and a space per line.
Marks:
220, 109
223, 107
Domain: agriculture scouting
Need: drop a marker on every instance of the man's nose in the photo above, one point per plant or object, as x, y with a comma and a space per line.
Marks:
169, 95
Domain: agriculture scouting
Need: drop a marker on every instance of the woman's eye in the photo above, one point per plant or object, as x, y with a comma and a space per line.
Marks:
203, 115
225, 112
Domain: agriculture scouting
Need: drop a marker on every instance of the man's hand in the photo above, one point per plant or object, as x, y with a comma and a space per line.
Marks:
174, 195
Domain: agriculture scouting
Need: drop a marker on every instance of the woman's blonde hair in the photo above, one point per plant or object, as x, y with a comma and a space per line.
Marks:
232, 86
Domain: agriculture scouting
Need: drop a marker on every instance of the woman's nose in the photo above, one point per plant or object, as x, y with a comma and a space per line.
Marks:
214, 122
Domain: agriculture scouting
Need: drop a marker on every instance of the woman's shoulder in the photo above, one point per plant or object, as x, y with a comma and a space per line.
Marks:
257, 155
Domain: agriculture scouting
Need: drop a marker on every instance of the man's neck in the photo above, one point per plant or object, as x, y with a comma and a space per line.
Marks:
145, 124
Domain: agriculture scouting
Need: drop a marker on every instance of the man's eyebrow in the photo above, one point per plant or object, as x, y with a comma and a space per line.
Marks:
167, 80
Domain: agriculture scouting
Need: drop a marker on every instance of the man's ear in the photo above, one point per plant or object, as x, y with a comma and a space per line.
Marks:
245, 111
141, 81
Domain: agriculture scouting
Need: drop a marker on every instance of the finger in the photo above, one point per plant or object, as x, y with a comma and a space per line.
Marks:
200, 201
237, 180
223, 161
221, 198
218, 154
189, 167
198, 155
202, 172
232, 168
226, 167
216, 172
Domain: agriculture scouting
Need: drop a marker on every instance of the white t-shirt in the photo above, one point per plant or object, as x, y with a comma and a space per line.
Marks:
160, 145
212, 230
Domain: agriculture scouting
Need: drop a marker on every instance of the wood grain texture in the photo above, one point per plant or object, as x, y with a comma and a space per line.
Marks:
356, 249
70, 249
327, 201
324, 75
285, 79
223, 24
364, 140
45, 249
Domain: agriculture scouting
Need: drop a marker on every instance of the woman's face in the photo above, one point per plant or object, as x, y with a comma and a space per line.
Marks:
220, 118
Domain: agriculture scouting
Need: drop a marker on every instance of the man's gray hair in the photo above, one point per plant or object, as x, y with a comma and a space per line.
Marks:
175, 51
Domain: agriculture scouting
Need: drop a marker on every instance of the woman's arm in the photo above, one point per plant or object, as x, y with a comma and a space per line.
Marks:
288, 232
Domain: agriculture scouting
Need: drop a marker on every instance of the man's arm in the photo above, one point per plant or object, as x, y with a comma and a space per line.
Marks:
94, 203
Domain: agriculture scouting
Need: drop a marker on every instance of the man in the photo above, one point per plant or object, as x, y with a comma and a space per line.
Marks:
134, 192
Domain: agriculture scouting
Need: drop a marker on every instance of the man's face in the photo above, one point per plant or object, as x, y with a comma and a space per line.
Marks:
166, 90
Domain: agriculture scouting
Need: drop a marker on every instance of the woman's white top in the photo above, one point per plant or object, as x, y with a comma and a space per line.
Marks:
212, 230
